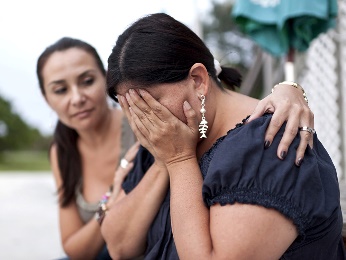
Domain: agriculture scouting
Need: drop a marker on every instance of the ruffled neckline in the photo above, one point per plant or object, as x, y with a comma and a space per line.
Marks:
220, 139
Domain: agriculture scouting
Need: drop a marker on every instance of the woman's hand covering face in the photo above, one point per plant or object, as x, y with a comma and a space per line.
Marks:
162, 133
169, 139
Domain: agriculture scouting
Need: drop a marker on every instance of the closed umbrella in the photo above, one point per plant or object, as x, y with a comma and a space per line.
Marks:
282, 27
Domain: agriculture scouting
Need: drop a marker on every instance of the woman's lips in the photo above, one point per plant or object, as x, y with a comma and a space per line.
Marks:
82, 114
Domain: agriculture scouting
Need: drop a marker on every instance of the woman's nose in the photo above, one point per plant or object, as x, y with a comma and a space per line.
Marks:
78, 97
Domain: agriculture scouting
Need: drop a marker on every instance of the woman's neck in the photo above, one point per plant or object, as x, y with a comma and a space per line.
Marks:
97, 136
230, 109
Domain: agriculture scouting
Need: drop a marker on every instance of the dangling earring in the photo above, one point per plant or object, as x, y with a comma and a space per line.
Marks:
203, 125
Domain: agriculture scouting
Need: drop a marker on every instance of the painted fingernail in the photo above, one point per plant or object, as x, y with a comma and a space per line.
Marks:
299, 162
283, 154
266, 144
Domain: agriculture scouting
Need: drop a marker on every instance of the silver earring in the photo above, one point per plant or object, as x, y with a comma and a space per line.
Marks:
203, 125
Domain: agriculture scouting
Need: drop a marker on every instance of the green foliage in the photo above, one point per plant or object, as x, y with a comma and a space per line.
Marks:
221, 21
24, 161
16, 134
228, 44
226, 41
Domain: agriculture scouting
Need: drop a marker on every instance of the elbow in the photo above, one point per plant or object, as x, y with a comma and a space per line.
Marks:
114, 255
75, 252
115, 250
120, 244
112, 238
71, 252
68, 249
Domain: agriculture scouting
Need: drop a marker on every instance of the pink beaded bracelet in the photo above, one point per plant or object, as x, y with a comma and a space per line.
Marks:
102, 208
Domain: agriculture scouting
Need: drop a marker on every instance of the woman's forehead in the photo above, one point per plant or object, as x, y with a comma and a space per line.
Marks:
124, 87
156, 90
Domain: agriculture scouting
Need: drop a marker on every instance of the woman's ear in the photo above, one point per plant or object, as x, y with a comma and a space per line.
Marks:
199, 74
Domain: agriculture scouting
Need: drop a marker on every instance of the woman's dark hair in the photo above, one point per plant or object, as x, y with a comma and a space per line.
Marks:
65, 138
159, 49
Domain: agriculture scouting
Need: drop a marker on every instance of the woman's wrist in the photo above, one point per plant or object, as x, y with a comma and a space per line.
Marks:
178, 165
103, 207
295, 85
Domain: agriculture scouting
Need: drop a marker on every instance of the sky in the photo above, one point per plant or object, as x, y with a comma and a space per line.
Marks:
28, 27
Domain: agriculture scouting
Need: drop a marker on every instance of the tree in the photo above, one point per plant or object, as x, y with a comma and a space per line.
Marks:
223, 37
15, 134
231, 47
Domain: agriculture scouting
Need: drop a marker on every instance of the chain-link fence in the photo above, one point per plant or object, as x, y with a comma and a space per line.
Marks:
323, 75
321, 70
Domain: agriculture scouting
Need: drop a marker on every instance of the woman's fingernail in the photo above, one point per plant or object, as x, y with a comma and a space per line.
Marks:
122, 98
127, 96
299, 162
266, 144
283, 154
187, 105
141, 92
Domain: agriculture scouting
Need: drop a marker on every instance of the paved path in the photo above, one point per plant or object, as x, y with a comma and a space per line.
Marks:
28, 217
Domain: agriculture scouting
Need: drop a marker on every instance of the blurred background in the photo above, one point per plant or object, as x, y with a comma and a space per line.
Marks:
28, 215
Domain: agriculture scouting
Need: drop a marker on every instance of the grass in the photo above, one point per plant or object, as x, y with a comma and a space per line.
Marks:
24, 161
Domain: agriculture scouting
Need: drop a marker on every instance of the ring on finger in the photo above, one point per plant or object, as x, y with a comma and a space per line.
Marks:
124, 163
308, 129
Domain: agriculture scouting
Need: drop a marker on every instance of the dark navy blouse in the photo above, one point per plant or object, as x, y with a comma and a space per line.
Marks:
238, 168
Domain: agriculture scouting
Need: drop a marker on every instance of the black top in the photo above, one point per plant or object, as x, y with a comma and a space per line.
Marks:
237, 168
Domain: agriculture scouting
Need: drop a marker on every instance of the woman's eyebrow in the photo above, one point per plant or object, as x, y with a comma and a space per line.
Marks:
85, 73
56, 82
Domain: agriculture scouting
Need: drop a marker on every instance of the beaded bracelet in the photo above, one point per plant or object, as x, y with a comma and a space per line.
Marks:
293, 84
102, 208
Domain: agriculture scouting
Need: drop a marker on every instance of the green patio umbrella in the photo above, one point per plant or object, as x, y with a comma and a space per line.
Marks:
282, 27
